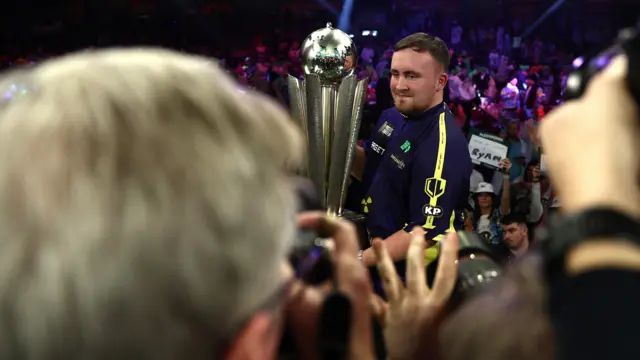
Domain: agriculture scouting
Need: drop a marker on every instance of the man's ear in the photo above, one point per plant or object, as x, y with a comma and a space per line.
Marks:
258, 339
442, 81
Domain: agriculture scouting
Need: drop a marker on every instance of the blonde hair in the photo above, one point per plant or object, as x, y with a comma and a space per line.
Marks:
144, 213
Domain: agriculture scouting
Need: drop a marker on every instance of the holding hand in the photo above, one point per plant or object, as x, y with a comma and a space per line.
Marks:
415, 308
506, 165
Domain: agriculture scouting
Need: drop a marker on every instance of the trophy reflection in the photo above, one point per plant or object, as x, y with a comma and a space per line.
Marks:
328, 103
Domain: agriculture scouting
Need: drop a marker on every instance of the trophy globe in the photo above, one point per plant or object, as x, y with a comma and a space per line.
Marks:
329, 53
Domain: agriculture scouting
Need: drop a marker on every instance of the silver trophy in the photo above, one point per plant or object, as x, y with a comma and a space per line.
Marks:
328, 103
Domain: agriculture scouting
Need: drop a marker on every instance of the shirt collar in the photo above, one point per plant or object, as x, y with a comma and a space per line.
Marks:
427, 114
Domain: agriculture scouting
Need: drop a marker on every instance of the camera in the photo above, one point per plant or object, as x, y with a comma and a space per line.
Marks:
627, 43
478, 266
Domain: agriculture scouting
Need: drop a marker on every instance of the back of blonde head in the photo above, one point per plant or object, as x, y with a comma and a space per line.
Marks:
143, 208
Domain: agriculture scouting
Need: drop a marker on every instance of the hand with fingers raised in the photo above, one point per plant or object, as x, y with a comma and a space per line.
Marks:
410, 311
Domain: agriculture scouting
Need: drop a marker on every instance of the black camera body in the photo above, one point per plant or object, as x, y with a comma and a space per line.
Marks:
478, 266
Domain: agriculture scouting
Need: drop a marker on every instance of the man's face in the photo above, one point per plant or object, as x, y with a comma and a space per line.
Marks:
514, 82
294, 55
348, 63
416, 78
514, 235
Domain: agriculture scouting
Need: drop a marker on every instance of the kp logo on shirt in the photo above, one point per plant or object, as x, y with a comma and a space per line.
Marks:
435, 211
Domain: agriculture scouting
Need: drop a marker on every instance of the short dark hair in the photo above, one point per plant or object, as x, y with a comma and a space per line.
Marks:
514, 218
421, 42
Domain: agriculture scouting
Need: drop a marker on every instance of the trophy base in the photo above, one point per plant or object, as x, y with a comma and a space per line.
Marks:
360, 221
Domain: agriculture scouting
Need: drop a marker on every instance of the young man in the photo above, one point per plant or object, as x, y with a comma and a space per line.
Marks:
416, 166
516, 236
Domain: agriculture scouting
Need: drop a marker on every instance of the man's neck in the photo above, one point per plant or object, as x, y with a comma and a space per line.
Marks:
485, 210
518, 252
437, 99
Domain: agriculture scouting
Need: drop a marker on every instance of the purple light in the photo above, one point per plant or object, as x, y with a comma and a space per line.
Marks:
602, 62
578, 62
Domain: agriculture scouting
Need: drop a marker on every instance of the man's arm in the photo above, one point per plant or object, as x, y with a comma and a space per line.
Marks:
535, 208
397, 245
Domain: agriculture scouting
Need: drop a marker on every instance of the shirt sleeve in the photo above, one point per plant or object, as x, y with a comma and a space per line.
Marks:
435, 183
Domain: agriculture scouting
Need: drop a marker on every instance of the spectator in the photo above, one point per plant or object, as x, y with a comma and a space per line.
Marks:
279, 85
516, 236
510, 97
462, 90
367, 54
484, 83
518, 150
533, 96
456, 34
487, 212
547, 84
526, 195
385, 61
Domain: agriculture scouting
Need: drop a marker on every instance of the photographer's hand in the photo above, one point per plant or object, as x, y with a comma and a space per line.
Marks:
351, 279
592, 158
413, 311
592, 146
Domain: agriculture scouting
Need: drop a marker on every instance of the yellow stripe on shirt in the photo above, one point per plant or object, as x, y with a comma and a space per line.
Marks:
435, 186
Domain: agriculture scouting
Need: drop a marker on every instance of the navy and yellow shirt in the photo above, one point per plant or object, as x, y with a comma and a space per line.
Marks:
417, 172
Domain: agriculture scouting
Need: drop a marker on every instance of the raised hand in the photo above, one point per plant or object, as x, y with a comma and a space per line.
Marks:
412, 309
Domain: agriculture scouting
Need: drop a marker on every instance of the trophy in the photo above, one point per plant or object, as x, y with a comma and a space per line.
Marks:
328, 104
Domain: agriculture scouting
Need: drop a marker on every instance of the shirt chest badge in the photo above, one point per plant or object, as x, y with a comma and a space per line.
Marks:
386, 129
